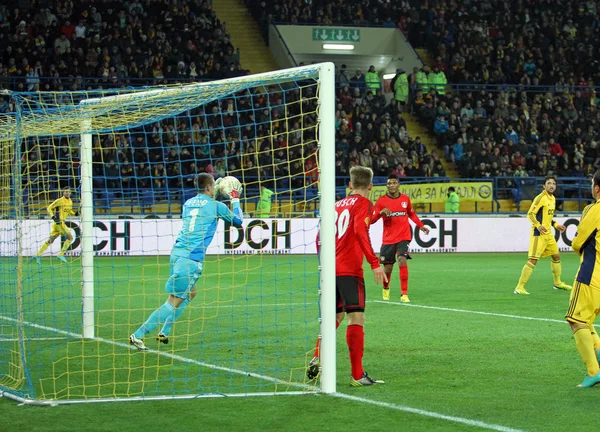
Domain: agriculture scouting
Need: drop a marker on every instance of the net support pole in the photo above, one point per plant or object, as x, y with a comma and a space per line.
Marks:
87, 231
327, 230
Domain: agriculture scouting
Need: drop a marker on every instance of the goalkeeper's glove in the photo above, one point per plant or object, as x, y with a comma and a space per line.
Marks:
234, 193
56, 219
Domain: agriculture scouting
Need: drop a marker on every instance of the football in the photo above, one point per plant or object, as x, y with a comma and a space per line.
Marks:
227, 184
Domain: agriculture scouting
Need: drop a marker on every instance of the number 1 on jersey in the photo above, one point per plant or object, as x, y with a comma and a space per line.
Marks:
194, 214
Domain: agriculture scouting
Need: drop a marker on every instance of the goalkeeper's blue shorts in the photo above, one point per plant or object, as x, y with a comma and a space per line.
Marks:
184, 274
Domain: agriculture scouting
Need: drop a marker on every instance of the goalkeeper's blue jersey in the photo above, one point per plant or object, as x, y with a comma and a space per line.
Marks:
200, 217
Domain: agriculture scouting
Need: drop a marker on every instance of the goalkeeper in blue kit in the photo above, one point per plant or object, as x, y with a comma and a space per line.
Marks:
200, 217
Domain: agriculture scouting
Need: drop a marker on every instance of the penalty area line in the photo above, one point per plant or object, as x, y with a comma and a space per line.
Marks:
307, 389
494, 314
425, 413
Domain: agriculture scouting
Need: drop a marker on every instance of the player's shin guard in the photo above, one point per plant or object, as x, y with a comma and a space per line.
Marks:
585, 345
65, 246
160, 315
525, 274
355, 338
404, 279
166, 330
45, 246
556, 271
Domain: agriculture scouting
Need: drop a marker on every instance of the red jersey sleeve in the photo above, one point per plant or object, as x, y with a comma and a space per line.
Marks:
413, 215
362, 223
376, 215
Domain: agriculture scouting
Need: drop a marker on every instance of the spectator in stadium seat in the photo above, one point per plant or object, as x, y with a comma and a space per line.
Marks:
358, 81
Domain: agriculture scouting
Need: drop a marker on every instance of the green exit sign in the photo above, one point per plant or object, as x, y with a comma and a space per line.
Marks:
335, 34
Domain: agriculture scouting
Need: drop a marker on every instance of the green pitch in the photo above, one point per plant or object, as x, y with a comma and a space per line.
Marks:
466, 354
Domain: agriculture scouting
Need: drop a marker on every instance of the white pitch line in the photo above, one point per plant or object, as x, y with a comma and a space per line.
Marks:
471, 312
432, 414
307, 388
162, 353
369, 301
32, 339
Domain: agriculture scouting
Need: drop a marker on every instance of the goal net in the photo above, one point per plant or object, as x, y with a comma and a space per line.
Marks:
127, 158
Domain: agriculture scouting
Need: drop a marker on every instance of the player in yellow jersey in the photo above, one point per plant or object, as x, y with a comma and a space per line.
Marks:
542, 243
584, 303
58, 211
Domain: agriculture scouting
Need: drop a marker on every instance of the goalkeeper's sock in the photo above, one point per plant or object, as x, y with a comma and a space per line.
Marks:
404, 279
318, 344
160, 315
45, 246
556, 271
525, 274
585, 346
355, 338
65, 246
166, 330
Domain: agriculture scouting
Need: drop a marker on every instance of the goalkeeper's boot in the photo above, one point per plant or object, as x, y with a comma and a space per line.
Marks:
590, 381
62, 258
138, 343
314, 369
520, 290
366, 380
562, 286
386, 294
404, 298
162, 338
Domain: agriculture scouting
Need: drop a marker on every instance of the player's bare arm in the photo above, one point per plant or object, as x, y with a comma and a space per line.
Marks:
424, 229
385, 212
561, 227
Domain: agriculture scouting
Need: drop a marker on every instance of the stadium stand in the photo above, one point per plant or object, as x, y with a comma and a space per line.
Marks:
482, 129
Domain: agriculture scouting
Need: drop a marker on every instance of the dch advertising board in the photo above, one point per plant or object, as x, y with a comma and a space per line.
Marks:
134, 237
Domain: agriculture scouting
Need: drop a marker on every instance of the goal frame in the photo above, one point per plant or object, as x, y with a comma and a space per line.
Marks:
326, 211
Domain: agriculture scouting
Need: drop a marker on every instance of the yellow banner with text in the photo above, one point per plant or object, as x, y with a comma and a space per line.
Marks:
426, 193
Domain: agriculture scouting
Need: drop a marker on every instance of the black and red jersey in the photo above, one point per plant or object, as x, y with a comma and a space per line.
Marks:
396, 227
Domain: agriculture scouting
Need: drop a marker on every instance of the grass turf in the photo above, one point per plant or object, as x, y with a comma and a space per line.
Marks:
436, 354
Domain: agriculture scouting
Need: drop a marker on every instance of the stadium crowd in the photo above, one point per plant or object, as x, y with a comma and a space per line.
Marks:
547, 126
57, 45
487, 132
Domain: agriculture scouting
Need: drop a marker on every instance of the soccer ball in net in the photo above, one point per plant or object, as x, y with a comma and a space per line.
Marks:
227, 184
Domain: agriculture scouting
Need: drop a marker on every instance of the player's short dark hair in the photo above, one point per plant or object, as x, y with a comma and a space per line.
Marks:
451, 189
550, 177
596, 179
202, 180
393, 176
361, 177
67, 188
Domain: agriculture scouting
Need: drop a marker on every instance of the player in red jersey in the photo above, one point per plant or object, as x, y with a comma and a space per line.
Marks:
351, 246
395, 209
